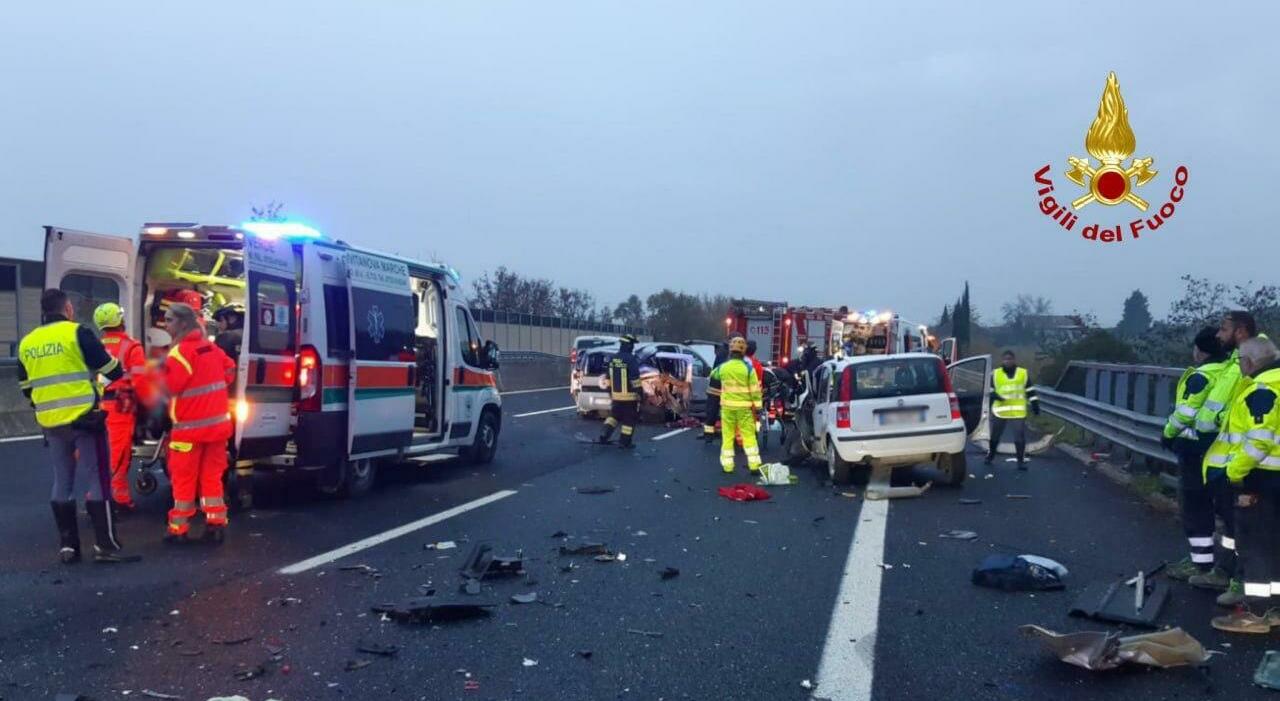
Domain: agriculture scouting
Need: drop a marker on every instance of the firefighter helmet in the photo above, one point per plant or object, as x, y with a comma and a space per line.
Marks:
738, 344
108, 315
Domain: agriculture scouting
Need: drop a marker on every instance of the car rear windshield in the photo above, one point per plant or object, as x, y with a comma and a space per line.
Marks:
586, 343
596, 363
898, 377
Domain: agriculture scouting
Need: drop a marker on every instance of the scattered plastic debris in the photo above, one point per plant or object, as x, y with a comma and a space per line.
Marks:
471, 685
849, 495
377, 648
157, 695
669, 573
283, 601
111, 629
481, 563
885, 566
639, 534
958, 535
442, 545
233, 641
776, 474
880, 493
611, 557
743, 492
1096, 650
585, 549
353, 665
1019, 573
529, 598
1267, 675
244, 674
645, 633
1017, 496
594, 489
230, 698
559, 534
585, 654
429, 610
806, 684
970, 502
529, 663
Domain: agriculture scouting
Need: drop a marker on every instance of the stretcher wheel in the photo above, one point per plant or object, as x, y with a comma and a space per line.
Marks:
145, 483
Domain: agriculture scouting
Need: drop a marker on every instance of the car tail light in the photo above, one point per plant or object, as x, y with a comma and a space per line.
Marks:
842, 416
949, 389
309, 379
573, 356
846, 384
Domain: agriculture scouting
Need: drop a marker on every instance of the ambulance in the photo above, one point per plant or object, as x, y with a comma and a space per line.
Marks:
871, 332
348, 357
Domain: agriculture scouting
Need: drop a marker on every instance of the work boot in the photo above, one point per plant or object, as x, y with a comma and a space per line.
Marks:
625, 442
987, 460
1242, 620
122, 510
106, 548
64, 515
213, 535
1022, 465
1233, 596
1183, 570
1214, 579
176, 539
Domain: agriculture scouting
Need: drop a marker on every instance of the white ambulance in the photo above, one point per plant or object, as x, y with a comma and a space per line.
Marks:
348, 356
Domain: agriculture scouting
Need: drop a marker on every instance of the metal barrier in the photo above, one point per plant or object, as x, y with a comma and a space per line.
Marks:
1125, 404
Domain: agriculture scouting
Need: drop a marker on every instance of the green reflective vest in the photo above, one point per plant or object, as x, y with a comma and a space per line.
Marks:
1012, 403
1191, 396
739, 387
1213, 413
59, 379
1248, 437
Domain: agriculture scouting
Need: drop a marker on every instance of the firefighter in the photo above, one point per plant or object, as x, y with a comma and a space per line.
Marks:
624, 394
1252, 450
739, 402
713, 397
191, 298
58, 362
119, 399
1009, 400
230, 321
1235, 328
1200, 502
197, 375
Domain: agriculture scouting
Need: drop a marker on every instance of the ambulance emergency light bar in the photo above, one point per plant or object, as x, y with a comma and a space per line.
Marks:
281, 230
870, 317
270, 230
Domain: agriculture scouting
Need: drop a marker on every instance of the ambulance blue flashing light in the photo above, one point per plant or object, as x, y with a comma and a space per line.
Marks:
281, 230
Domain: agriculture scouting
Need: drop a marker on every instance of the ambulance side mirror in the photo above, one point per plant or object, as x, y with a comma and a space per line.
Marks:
490, 357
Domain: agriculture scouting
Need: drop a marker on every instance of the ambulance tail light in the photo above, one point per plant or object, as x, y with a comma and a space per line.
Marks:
949, 389
242, 411
309, 385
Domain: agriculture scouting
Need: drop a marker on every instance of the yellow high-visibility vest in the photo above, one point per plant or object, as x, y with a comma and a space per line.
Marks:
1013, 393
60, 381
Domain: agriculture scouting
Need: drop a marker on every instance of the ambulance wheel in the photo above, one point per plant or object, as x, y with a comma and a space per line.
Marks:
838, 470
954, 468
145, 482
358, 477
486, 441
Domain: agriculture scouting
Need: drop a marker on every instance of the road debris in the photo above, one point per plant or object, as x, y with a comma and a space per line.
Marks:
669, 573
529, 663
594, 489
429, 610
645, 633
244, 674
849, 495
1019, 573
881, 493
958, 535
1117, 602
157, 695
776, 474
284, 601
559, 534
363, 569
1267, 675
969, 502
353, 665
806, 684
529, 598
481, 563
1017, 496
233, 641
584, 549
1098, 650
584, 654
611, 557
743, 492
374, 648
111, 629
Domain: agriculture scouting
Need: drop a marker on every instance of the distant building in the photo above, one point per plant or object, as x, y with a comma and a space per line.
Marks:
21, 282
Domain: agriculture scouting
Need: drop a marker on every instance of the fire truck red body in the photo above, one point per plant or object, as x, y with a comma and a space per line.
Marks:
780, 331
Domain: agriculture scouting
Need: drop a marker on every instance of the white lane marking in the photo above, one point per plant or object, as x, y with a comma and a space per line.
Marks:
530, 391
371, 541
669, 434
21, 438
544, 411
848, 668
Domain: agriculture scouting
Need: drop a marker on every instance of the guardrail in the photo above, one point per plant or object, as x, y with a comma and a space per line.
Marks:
1124, 404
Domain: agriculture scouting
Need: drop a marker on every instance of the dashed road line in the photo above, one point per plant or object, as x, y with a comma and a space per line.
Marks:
375, 540
544, 411
669, 434
15, 439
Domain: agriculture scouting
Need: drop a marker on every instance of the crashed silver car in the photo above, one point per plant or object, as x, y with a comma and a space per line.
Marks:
673, 381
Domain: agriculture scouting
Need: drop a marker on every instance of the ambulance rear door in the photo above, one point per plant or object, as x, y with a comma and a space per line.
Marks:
381, 376
92, 269
265, 370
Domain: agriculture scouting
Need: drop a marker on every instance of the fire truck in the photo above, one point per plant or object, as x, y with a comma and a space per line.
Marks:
779, 330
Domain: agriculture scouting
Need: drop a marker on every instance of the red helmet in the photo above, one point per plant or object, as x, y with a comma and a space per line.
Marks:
191, 298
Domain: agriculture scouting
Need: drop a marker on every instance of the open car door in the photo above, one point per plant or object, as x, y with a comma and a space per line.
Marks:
92, 269
947, 349
971, 380
264, 391
381, 395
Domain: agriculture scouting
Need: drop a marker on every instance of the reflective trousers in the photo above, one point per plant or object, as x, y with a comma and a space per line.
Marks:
1258, 530
197, 467
712, 416
120, 435
1202, 505
742, 421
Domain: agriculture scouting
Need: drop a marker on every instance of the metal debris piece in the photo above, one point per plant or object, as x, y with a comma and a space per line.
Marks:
232, 641
1096, 650
1017, 496
284, 601
157, 695
353, 665
645, 633
559, 534
376, 648
881, 493
429, 610
970, 502
190, 653
594, 489
670, 573
958, 535
529, 598
849, 495
1267, 675
244, 674
442, 545
481, 563
529, 663
585, 549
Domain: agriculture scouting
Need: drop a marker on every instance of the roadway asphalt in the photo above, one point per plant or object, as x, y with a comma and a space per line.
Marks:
753, 612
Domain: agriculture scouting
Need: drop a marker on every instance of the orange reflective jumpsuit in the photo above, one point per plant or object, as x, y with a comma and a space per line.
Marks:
197, 374
119, 401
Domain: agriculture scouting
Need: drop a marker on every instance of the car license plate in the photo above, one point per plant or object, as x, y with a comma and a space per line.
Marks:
897, 418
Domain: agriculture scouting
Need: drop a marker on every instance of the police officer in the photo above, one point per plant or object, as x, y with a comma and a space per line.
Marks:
1199, 504
624, 394
59, 363
1252, 447
1009, 399
119, 399
739, 401
1235, 328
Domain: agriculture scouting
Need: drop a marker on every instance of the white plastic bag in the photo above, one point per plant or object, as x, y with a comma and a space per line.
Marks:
775, 474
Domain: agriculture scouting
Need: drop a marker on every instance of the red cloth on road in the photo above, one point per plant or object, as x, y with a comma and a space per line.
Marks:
744, 492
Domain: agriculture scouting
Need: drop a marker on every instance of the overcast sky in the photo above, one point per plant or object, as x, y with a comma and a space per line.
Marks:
870, 154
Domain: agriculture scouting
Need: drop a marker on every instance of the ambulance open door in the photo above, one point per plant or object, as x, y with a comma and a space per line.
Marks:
92, 269
264, 393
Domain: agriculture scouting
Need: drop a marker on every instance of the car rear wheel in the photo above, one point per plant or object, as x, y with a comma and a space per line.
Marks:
954, 468
838, 470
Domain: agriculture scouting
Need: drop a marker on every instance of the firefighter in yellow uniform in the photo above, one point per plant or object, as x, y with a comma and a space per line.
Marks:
739, 402
624, 394
1251, 447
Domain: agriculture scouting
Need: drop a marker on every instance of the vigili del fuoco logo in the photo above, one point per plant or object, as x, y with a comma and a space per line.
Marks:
1110, 141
